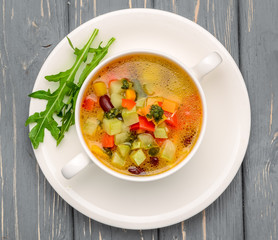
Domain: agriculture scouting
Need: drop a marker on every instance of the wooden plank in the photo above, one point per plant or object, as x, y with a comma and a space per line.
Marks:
84, 227
259, 61
84, 10
223, 219
30, 209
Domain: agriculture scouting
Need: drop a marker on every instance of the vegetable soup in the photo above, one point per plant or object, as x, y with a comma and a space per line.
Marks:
141, 114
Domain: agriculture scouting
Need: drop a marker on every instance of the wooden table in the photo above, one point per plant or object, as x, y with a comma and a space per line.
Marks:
31, 209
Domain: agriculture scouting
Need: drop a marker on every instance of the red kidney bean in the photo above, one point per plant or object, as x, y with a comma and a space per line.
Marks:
105, 103
154, 161
135, 170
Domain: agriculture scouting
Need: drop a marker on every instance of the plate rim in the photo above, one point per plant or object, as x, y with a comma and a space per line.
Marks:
166, 219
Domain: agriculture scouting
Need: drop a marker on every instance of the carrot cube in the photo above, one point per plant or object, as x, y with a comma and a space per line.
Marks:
169, 106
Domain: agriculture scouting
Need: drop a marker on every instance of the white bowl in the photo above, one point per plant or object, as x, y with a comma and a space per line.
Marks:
81, 161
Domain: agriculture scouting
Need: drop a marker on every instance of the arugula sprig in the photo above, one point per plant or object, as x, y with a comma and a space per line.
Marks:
69, 107
62, 101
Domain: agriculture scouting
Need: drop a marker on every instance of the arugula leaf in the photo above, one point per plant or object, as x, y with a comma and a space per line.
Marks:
57, 77
41, 94
68, 117
67, 88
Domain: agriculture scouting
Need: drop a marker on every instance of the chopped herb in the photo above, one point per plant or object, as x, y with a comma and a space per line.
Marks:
132, 137
108, 151
153, 151
125, 83
113, 113
156, 112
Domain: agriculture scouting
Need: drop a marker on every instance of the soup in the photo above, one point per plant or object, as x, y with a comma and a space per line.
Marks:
141, 115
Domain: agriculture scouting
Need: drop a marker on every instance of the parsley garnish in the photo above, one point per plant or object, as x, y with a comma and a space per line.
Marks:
153, 151
132, 137
156, 112
125, 83
108, 151
112, 113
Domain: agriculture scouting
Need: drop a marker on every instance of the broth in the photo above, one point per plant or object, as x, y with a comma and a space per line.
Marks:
168, 81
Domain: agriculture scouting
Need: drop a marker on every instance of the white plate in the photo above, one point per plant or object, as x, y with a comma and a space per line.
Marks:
156, 204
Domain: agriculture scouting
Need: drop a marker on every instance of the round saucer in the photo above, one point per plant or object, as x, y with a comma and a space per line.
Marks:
170, 200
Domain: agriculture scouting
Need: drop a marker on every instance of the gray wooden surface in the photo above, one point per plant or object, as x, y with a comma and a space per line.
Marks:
31, 209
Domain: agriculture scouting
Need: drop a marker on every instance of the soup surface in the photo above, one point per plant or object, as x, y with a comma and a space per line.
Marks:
141, 115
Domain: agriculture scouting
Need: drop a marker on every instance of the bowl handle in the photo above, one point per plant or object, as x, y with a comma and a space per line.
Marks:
75, 165
206, 65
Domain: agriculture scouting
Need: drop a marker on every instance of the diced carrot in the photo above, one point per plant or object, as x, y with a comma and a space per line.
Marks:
100, 88
147, 109
169, 106
134, 127
112, 80
127, 103
145, 124
89, 103
140, 112
160, 141
144, 111
172, 118
160, 104
130, 94
107, 141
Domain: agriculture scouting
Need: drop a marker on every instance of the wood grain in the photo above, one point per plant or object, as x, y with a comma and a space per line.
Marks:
259, 61
81, 11
223, 219
30, 209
